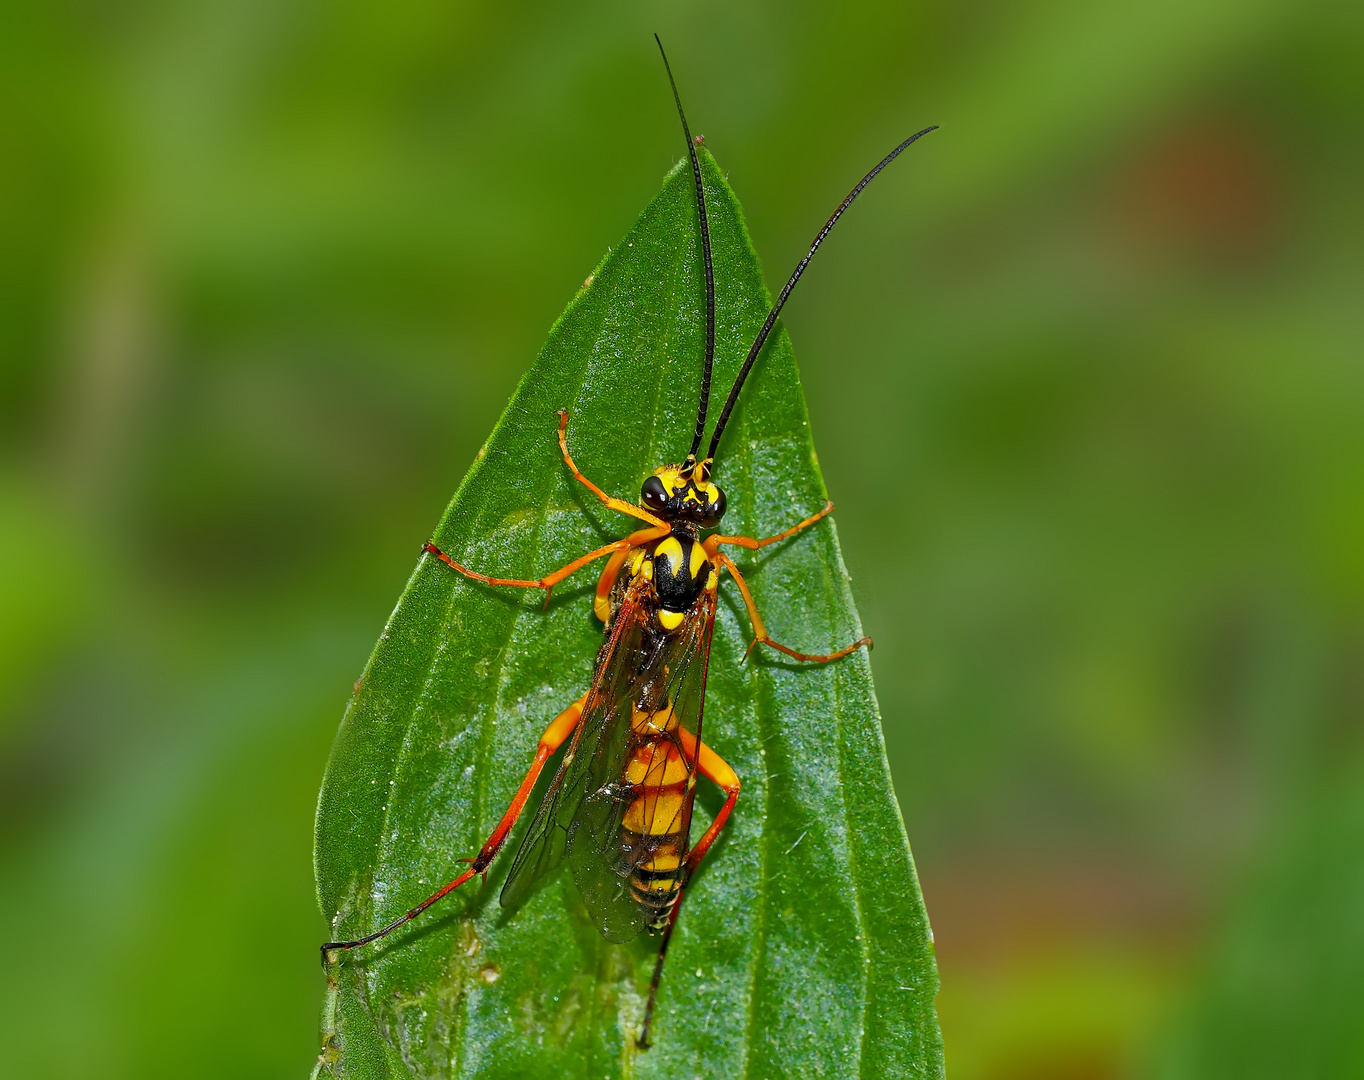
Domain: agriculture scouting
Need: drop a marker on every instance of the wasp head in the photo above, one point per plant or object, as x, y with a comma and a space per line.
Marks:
684, 493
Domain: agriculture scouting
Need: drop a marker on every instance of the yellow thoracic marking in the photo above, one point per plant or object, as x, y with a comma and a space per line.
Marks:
698, 561
644, 723
711, 581
671, 550
656, 764
637, 562
670, 620
655, 814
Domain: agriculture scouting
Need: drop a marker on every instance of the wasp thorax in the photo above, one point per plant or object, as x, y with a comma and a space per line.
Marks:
686, 493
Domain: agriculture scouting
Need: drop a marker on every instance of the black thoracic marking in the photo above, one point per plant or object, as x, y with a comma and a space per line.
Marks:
676, 589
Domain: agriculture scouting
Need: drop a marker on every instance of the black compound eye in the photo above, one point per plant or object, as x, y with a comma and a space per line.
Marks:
654, 494
714, 511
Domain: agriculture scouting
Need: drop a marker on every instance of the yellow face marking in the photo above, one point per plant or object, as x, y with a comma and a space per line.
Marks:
654, 815
712, 493
644, 723
656, 764
670, 550
670, 620
698, 561
672, 479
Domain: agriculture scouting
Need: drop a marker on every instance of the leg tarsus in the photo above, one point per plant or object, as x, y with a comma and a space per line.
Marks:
559, 729
658, 528
520, 583
550, 580
760, 635
826, 658
406, 917
619, 505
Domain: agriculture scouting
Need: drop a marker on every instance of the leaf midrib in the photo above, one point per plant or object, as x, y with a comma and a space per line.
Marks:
674, 304
764, 691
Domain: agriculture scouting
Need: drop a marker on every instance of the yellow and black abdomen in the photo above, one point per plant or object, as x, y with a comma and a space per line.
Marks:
655, 831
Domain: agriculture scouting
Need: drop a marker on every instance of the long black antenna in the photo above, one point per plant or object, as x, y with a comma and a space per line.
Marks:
791, 284
705, 254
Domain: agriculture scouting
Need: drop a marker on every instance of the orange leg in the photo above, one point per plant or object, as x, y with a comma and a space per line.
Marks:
550, 580
601, 603
560, 728
753, 545
615, 504
714, 768
657, 530
760, 636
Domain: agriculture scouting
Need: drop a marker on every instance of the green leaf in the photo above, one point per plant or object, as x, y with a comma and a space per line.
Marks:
803, 948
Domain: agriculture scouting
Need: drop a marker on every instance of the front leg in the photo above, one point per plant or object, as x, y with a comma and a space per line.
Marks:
753, 545
619, 505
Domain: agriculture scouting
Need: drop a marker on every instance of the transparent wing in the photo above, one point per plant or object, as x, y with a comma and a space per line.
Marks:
546, 841
660, 671
583, 808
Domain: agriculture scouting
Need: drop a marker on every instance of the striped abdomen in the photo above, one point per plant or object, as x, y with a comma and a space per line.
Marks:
655, 832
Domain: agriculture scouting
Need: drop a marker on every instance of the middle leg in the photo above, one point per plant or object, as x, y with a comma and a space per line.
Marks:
619, 505
760, 635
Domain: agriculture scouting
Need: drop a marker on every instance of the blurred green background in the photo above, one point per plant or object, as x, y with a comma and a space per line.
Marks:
1085, 374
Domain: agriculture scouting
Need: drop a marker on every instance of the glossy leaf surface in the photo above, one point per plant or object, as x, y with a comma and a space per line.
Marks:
803, 948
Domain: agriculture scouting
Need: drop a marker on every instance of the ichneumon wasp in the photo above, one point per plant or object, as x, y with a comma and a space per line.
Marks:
619, 807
